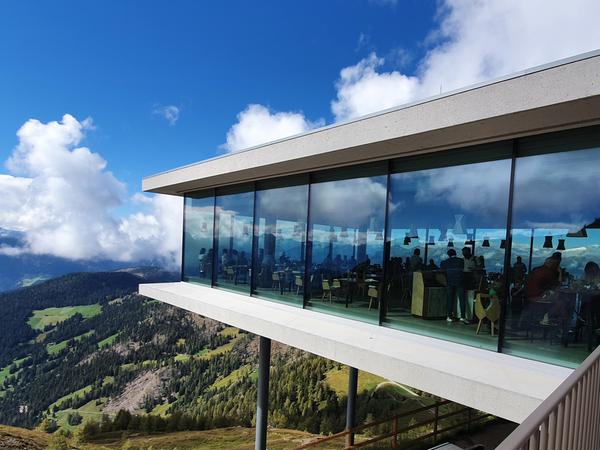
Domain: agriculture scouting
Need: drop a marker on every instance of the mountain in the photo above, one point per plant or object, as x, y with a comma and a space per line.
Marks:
84, 353
20, 269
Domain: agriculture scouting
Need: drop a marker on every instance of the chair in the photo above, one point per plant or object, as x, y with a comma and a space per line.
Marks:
298, 283
276, 281
230, 273
326, 290
373, 294
491, 313
336, 287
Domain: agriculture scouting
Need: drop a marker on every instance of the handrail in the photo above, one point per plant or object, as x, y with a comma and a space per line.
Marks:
396, 431
567, 419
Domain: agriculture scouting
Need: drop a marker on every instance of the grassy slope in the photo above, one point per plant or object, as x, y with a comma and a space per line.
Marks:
4, 373
108, 341
221, 439
232, 377
53, 349
337, 379
52, 316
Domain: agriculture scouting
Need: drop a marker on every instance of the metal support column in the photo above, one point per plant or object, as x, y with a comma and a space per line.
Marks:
351, 407
262, 400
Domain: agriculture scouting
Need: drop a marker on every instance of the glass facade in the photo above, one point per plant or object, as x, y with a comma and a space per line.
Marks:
495, 246
234, 211
445, 229
347, 217
555, 303
199, 213
280, 240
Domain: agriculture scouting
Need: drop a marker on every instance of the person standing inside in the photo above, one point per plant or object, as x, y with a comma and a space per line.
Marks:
416, 262
454, 268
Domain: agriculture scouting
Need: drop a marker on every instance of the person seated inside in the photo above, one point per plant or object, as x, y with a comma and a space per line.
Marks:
591, 274
432, 265
454, 268
540, 291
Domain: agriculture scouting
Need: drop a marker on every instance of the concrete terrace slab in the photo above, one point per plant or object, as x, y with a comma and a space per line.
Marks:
499, 384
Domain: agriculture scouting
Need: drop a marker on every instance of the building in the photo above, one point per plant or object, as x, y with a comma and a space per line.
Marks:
339, 241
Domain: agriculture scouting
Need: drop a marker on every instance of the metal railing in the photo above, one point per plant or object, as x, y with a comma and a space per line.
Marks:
434, 429
568, 418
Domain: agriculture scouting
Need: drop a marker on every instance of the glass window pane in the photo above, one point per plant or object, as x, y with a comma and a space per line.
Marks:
347, 219
446, 228
198, 239
281, 243
554, 314
234, 240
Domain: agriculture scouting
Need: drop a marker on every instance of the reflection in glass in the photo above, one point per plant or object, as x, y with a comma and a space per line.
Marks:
347, 224
198, 239
281, 243
445, 227
234, 217
554, 311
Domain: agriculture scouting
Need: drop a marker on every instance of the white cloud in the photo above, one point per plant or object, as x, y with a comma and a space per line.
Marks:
170, 113
362, 90
257, 125
62, 197
475, 41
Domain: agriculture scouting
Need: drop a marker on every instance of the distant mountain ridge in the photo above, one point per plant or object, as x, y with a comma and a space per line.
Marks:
23, 269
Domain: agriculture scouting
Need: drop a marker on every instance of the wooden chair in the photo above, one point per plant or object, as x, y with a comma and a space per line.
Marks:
276, 281
491, 313
298, 283
326, 290
373, 294
230, 273
336, 288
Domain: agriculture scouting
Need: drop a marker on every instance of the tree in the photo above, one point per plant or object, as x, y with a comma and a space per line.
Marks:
90, 430
58, 442
74, 419
49, 425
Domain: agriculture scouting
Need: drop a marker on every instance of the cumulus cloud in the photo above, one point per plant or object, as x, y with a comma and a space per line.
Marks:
257, 124
62, 198
475, 41
361, 89
170, 113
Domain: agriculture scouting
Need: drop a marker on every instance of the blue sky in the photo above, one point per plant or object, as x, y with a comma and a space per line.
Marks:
118, 61
170, 83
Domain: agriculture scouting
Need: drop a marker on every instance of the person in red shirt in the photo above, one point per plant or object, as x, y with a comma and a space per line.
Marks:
539, 292
542, 280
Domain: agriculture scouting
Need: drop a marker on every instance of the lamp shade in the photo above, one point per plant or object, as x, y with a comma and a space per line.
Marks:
561, 245
486, 242
450, 243
407, 239
548, 242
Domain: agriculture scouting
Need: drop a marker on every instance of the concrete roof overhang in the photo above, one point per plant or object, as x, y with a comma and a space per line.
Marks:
558, 96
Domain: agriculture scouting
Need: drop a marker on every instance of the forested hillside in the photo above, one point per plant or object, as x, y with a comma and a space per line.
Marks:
85, 348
